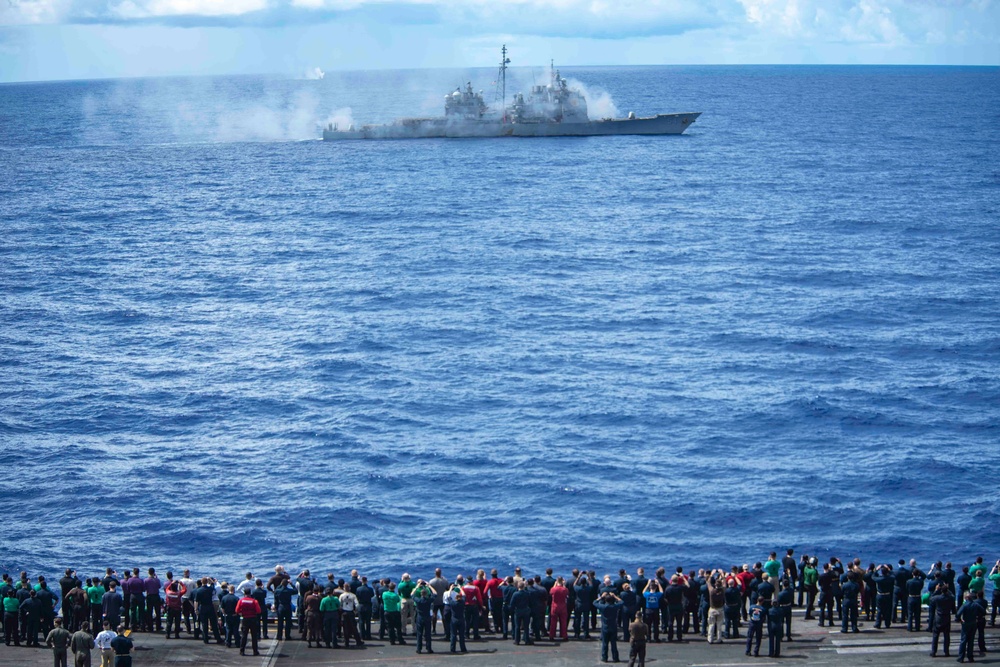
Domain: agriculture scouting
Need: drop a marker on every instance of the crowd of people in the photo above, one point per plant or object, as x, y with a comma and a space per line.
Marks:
743, 603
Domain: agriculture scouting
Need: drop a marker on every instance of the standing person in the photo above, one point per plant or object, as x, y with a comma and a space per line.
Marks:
67, 584
914, 593
810, 577
756, 617
423, 604
154, 603
111, 606
630, 605
581, 606
884, 584
968, 615
494, 597
520, 603
981, 628
122, 647
440, 586
95, 597
80, 643
456, 628
481, 582
734, 602
652, 595
539, 603
58, 640
230, 619
801, 588
784, 601
638, 632
473, 607
10, 609
365, 598
103, 642
392, 603
380, 586
775, 630
716, 607
48, 602
31, 615
313, 619
247, 584
610, 607
558, 613
508, 588
773, 567
850, 592
995, 601
76, 602
283, 595
304, 585
204, 606
826, 602
405, 592
174, 592
136, 586
674, 597
348, 615
248, 610
943, 604
259, 593
187, 604
329, 608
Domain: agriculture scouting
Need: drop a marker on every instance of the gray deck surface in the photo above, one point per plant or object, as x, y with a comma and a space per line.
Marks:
812, 645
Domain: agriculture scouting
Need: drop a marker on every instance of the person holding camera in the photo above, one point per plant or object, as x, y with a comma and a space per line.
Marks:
884, 585
610, 607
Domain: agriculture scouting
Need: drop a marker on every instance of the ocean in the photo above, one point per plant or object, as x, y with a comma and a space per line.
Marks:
225, 344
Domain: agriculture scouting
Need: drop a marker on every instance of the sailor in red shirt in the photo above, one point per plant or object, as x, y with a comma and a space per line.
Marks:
174, 592
473, 607
494, 596
248, 609
745, 577
559, 613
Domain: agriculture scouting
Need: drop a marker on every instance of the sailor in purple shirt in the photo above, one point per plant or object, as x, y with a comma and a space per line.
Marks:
136, 588
154, 603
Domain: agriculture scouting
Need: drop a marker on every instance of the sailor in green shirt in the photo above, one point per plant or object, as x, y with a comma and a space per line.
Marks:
809, 578
329, 607
405, 590
995, 604
773, 567
978, 583
391, 603
10, 629
977, 567
95, 594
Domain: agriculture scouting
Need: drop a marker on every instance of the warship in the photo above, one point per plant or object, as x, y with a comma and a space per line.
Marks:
553, 110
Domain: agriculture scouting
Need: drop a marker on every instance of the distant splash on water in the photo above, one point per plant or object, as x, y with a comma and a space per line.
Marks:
314, 74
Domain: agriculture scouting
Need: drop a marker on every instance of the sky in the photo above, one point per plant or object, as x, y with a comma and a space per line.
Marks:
84, 39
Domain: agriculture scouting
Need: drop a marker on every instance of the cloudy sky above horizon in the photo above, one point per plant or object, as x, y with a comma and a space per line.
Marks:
72, 39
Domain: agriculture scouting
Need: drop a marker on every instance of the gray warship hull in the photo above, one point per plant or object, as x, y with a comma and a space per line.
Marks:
431, 128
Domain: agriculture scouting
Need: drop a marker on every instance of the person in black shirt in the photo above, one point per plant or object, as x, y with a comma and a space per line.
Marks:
365, 595
791, 570
259, 593
122, 646
944, 607
850, 592
204, 597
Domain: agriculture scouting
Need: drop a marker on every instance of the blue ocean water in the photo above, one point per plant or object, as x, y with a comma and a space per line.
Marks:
226, 344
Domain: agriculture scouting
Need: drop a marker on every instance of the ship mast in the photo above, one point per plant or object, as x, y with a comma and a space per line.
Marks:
502, 80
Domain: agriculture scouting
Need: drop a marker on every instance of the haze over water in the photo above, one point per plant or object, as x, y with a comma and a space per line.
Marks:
222, 347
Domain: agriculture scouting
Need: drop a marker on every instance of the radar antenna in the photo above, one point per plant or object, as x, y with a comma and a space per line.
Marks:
501, 92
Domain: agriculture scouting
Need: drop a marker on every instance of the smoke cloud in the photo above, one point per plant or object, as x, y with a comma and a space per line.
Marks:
599, 102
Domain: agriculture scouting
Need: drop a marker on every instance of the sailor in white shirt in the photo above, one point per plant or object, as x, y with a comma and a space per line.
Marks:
247, 584
103, 643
